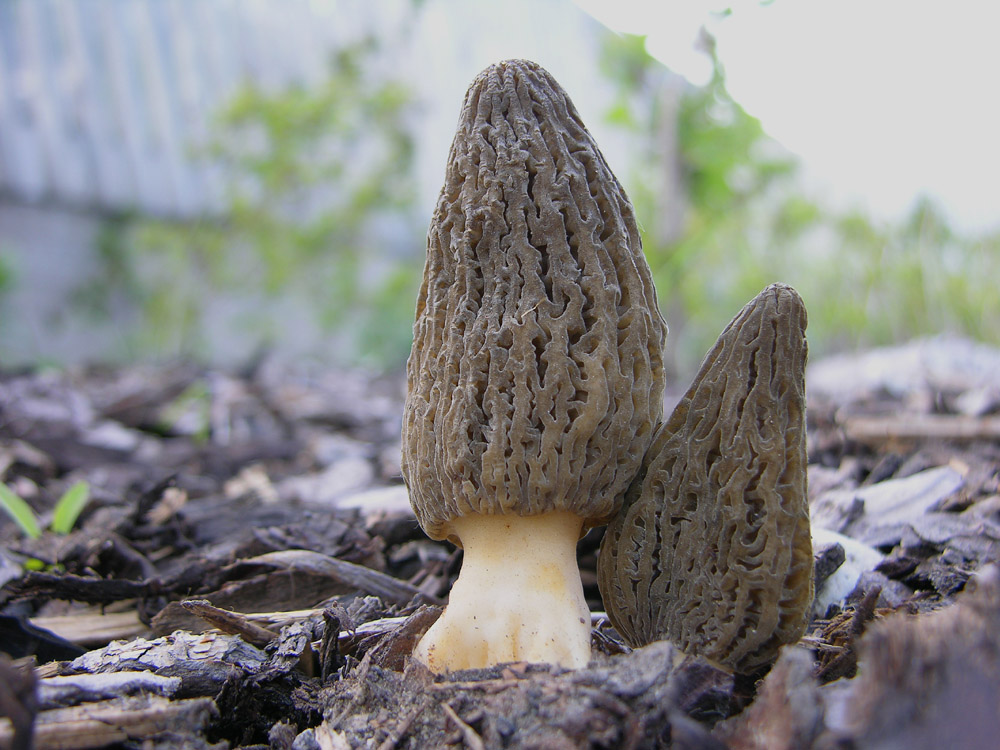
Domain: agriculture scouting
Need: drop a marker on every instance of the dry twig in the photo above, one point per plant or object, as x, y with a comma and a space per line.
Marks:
469, 735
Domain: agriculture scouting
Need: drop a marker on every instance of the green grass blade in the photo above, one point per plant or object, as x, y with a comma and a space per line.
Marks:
69, 507
20, 511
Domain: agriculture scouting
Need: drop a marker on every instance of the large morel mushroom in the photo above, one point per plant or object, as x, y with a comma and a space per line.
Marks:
712, 549
535, 378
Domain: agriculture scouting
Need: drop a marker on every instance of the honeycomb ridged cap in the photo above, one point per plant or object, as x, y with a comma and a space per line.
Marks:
712, 549
536, 374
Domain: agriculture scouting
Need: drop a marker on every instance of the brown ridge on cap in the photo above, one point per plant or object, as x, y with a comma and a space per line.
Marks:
536, 374
712, 549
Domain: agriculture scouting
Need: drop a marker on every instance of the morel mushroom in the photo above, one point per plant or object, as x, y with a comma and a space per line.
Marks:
712, 549
536, 374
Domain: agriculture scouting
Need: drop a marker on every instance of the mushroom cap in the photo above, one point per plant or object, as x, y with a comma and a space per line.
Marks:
712, 549
536, 374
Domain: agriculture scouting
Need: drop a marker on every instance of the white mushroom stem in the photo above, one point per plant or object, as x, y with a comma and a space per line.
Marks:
518, 596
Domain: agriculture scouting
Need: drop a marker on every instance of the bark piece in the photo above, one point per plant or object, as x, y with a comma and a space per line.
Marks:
882, 430
69, 690
18, 704
787, 714
712, 549
169, 651
230, 622
355, 576
888, 505
929, 681
120, 721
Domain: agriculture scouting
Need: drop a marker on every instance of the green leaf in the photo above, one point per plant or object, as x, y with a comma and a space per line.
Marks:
69, 507
20, 511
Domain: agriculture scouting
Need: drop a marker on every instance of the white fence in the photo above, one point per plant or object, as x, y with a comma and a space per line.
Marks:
102, 101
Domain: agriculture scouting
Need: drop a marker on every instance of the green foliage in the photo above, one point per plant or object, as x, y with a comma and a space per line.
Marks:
747, 223
6, 283
6, 275
312, 174
69, 508
889, 284
706, 267
64, 516
20, 512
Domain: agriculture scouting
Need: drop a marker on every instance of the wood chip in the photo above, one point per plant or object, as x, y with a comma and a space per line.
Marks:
358, 576
94, 629
915, 427
469, 735
230, 622
116, 721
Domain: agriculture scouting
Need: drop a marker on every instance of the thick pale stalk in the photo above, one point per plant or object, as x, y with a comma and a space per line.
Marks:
518, 597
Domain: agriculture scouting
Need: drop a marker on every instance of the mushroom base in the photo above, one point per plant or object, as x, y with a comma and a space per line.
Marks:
518, 596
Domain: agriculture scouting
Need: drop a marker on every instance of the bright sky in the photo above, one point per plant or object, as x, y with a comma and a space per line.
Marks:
884, 100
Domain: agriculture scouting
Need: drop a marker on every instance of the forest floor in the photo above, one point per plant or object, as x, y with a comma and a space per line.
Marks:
246, 572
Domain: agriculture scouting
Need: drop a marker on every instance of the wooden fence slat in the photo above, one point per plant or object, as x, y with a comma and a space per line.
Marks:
27, 175
105, 104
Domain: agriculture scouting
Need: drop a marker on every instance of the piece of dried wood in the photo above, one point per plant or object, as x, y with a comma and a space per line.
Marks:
788, 711
94, 630
470, 737
928, 681
72, 587
370, 581
878, 430
889, 503
399, 731
18, 703
169, 651
230, 622
68, 690
109, 722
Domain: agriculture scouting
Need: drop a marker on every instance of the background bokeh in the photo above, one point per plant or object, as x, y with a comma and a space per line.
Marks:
217, 179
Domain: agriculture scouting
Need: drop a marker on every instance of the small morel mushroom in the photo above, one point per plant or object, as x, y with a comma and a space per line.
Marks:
712, 549
536, 375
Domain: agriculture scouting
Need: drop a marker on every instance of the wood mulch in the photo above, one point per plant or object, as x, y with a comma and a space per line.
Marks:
247, 573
